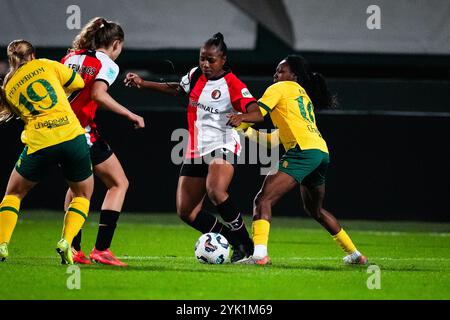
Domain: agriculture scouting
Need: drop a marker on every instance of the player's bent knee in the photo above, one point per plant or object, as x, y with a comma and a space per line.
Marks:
217, 196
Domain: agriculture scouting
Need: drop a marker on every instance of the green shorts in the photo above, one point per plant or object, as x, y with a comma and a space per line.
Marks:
72, 156
307, 167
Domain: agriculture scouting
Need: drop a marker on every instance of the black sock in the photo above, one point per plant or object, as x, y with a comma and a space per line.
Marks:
206, 222
238, 233
76, 242
106, 228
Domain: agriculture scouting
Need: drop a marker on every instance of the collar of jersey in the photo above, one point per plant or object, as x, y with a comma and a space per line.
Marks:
219, 77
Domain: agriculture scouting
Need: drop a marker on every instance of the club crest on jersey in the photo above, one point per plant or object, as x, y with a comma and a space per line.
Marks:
216, 94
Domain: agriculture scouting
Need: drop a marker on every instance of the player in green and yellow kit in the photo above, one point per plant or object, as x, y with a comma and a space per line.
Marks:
290, 102
35, 90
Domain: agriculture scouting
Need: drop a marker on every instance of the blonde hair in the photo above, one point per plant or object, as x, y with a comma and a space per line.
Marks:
98, 33
19, 52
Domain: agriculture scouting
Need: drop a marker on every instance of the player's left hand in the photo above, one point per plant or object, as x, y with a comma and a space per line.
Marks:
234, 120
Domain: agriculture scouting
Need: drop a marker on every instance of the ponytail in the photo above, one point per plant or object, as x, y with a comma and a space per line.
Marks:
313, 82
19, 52
98, 33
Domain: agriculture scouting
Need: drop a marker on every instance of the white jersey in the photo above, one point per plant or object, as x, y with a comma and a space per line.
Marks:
210, 100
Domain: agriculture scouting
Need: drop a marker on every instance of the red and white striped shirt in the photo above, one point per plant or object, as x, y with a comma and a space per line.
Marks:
210, 100
92, 66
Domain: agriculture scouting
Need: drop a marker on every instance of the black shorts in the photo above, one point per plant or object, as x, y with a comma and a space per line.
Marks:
198, 167
100, 151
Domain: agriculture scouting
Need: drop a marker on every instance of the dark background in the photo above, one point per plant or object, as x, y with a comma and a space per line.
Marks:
388, 141
383, 167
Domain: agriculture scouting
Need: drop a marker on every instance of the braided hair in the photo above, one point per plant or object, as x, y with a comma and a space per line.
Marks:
313, 82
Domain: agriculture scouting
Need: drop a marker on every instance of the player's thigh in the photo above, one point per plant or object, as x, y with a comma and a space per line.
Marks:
18, 185
275, 186
220, 174
83, 188
312, 196
111, 172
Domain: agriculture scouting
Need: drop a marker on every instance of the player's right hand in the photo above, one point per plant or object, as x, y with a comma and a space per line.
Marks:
133, 80
138, 121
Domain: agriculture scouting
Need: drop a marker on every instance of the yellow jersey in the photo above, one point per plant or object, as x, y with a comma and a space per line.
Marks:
292, 112
37, 92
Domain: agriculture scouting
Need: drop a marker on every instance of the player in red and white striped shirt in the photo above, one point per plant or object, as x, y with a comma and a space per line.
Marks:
99, 43
213, 147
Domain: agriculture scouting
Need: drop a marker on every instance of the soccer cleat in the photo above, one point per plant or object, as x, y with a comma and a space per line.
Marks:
79, 257
359, 259
65, 251
240, 252
3, 251
253, 260
105, 257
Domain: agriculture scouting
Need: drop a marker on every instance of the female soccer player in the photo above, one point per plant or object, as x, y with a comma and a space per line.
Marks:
213, 91
34, 89
94, 50
291, 102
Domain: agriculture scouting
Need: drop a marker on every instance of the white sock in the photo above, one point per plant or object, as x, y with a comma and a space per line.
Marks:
260, 251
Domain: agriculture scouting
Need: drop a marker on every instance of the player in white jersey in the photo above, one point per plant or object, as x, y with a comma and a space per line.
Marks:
213, 146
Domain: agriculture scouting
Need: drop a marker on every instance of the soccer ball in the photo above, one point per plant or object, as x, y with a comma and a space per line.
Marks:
212, 248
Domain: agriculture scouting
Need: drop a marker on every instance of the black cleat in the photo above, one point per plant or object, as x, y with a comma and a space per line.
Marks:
241, 252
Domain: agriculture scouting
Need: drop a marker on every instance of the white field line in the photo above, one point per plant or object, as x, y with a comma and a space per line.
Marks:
404, 233
290, 258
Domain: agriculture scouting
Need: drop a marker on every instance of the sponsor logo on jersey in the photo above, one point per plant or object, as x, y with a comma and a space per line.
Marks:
216, 94
53, 123
82, 70
197, 104
246, 93
111, 73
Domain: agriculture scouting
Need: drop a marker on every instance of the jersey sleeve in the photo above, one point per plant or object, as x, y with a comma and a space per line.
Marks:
69, 78
239, 94
269, 100
108, 71
185, 82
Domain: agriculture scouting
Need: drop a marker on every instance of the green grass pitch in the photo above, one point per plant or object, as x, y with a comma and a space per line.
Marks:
413, 259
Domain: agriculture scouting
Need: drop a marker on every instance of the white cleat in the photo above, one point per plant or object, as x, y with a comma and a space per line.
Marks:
355, 259
253, 260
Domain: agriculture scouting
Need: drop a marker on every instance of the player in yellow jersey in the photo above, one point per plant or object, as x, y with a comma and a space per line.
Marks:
290, 102
35, 90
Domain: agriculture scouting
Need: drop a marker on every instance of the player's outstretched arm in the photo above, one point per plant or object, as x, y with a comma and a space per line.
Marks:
268, 140
254, 114
134, 80
101, 96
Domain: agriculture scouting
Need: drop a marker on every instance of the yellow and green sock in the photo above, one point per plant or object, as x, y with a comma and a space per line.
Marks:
9, 212
75, 217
